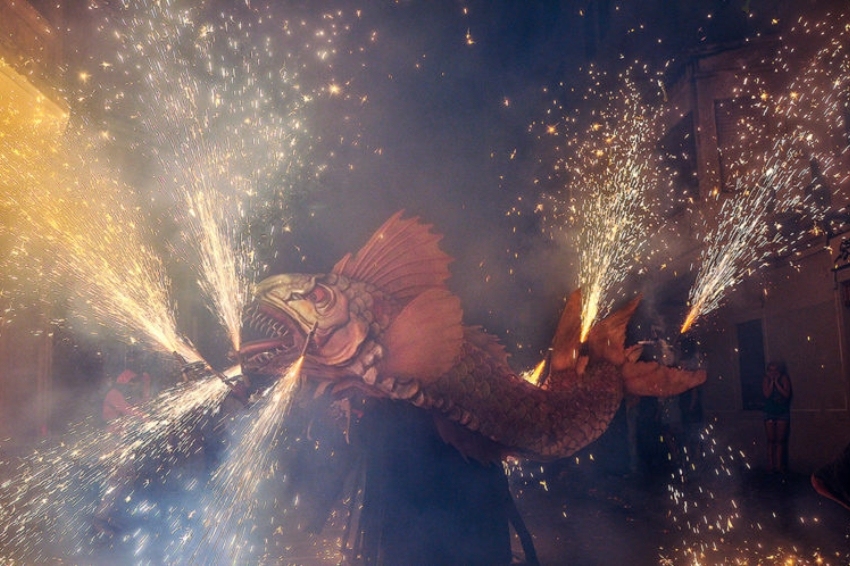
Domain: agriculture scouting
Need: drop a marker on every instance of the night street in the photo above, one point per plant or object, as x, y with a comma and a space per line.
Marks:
417, 283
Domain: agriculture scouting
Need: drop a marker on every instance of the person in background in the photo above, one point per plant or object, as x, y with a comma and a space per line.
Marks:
672, 431
691, 401
125, 393
776, 388
131, 388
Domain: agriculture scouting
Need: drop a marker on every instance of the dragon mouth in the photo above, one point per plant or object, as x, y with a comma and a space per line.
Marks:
271, 340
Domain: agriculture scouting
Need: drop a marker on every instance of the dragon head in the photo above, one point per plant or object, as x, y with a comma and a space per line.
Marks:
294, 314
382, 314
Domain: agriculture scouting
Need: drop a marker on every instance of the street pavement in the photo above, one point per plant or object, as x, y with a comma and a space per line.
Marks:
752, 518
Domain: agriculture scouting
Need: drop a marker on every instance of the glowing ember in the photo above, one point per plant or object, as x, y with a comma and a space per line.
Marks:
67, 209
615, 170
223, 122
222, 265
49, 498
784, 187
235, 485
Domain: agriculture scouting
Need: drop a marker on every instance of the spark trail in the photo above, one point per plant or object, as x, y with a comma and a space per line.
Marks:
222, 105
221, 112
788, 168
68, 209
220, 119
48, 499
615, 170
718, 524
231, 508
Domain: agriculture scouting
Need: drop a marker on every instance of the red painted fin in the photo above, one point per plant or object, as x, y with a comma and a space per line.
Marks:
607, 338
565, 345
651, 379
402, 258
424, 340
476, 336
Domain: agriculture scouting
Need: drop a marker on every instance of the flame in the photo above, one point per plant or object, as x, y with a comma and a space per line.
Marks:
536, 375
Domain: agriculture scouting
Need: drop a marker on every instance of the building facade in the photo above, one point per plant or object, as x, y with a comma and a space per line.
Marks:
795, 308
32, 115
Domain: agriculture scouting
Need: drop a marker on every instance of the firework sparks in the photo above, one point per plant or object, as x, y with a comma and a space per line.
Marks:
51, 490
783, 180
717, 522
221, 115
222, 122
235, 485
225, 279
77, 216
615, 168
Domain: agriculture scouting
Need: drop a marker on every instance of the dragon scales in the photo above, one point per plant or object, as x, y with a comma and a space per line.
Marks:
384, 323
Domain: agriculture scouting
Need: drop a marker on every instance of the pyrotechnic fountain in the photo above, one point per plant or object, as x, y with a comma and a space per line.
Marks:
231, 505
72, 211
217, 140
615, 170
229, 130
787, 168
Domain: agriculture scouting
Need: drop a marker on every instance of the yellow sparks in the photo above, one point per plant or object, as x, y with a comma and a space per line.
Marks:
751, 223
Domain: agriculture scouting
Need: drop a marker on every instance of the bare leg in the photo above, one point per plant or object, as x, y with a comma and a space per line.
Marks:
833, 479
782, 429
771, 432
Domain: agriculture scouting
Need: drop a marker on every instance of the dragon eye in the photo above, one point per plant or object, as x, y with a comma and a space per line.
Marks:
319, 295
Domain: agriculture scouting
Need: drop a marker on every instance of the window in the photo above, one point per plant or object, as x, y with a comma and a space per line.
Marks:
678, 148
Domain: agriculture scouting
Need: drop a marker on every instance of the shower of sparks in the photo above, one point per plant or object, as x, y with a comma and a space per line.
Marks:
225, 279
235, 485
69, 212
713, 516
741, 239
49, 499
223, 122
784, 183
218, 104
716, 520
614, 172
225, 96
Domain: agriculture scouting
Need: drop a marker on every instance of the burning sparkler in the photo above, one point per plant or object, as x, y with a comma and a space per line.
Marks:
224, 117
222, 123
788, 176
49, 493
235, 485
615, 170
66, 207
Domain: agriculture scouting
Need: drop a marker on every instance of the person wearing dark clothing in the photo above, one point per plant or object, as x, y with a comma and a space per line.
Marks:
424, 503
693, 419
117, 403
776, 388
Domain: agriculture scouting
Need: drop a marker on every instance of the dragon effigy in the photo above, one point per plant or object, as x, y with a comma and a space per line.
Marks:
383, 323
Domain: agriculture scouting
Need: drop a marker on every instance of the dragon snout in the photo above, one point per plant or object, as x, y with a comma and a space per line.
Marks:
270, 339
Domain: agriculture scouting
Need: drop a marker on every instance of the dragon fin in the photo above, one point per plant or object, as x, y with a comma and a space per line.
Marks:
565, 344
424, 340
607, 338
476, 336
402, 258
651, 379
